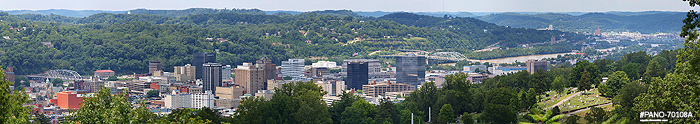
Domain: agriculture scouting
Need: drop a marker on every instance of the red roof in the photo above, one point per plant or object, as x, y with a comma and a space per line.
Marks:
103, 71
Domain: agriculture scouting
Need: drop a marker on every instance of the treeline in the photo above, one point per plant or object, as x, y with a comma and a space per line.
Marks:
652, 22
126, 42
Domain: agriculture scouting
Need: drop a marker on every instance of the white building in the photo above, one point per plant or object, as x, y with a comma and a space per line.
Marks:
205, 99
178, 100
326, 64
293, 68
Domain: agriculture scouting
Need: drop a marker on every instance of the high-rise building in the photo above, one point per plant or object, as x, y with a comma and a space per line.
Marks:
153, 66
226, 73
410, 69
358, 75
254, 77
205, 99
185, 73
198, 59
534, 65
374, 69
293, 68
9, 74
269, 68
178, 100
212, 76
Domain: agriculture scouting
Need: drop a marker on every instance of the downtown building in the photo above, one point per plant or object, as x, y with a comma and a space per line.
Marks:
185, 73
211, 77
198, 60
254, 77
373, 67
410, 69
293, 68
357, 74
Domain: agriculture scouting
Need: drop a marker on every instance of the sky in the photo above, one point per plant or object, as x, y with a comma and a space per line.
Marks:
359, 5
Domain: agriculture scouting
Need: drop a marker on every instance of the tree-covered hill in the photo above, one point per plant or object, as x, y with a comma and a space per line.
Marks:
126, 42
643, 22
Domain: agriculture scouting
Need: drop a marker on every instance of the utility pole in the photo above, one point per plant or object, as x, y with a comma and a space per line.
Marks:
429, 114
411, 118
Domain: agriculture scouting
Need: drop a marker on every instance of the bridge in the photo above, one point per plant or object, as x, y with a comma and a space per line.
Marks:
57, 74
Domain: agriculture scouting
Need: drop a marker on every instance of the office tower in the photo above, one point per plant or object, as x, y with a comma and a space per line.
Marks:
534, 65
154, 66
269, 68
212, 76
374, 69
254, 77
185, 73
293, 68
357, 74
200, 58
410, 69
226, 73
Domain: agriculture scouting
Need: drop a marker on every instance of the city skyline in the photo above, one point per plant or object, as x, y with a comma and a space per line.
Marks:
361, 5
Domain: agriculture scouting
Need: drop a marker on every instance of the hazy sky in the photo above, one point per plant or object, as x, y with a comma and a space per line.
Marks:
360, 5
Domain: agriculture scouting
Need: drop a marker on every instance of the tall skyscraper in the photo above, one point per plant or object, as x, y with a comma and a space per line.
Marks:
254, 77
226, 73
198, 59
357, 74
374, 69
212, 76
185, 73
410, 69
534, 65
154, 66
293, 68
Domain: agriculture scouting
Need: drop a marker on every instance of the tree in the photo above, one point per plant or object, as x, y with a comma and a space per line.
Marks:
467, 118
548, 117
631, 70
585, 82
540, 81
681, 86
531, 98
654, 69
57, 82
40, 118
104, 107
624, 100
11, 106
386, 111
498, 107
361, 112
572, 119
596, 115
112, 78
559, 84
577, 73
446, 114
152, 93
338, 106
614, 83
209, 114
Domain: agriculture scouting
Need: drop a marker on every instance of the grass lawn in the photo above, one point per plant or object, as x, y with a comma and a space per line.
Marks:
582, 100
554, 98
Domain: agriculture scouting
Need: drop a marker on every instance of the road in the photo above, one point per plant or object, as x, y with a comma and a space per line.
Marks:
589, 107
